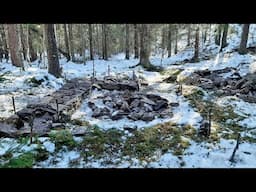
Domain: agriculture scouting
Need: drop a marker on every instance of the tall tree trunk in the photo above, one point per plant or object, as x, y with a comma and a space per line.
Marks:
224, 36
244, 39
71, 44
66, 42
218, 34
176, 40
83, 43
145, 46
13, 40
127, 43
23, 42
98, 38
136, 42
205, 33
189, 35
32, 52
169, 46
52, 53
91, 42
196, 53
104, 42
4, 42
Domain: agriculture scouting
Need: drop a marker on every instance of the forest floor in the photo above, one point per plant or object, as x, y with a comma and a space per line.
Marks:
170, 142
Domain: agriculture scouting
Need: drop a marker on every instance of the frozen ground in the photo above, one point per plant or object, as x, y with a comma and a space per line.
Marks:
204, 154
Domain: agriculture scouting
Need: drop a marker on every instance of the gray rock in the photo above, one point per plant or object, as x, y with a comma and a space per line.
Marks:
160, 105
118, 115
15, 121
135, 103
125, 107
147, 107
148, 117
174, 104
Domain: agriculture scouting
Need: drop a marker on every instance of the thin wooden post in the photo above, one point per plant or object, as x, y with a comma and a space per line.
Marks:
31, 124
236, 147
210, 120
57, 108
13, 104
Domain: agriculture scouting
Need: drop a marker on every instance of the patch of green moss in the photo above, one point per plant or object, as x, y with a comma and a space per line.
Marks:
25, 160
63, 138
41, 154
34, 82
80, 122
164, 137
249, 139
98, 142
219, 115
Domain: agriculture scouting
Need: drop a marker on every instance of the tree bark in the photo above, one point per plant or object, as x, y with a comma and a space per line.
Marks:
189, 35
224, 36
98, 38
244, 38
145, 46
32, 53
196, 53
66, 42
83, 42
218, 34
104, 42
136, 42
71, 45
52, 53
127, 43
23, 42
13, 40
169, 46
176, 40
4, 42
91, 42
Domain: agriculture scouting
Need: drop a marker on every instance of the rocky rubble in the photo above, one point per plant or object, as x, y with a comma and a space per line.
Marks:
242, 87
133, 105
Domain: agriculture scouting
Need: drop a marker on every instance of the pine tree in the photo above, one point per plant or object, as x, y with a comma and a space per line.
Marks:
127, 43
224, 36
189, 35
145, 46
52, 52
66, 42
91, 42
136, 42
196, 53
13, 41
244, 38
71, 44
169, 46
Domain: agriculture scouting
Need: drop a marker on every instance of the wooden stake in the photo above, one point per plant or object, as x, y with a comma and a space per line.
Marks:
236, 147
57, 108
210, 121
93, 70
13, 104
31, 123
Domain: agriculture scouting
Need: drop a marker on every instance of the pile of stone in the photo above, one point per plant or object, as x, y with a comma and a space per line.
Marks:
235, 85
133, 105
